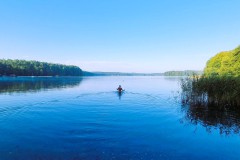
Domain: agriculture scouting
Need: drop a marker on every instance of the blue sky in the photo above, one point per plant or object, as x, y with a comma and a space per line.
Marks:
119, 35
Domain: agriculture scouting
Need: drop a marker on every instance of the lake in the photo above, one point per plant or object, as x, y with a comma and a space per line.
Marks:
86, 119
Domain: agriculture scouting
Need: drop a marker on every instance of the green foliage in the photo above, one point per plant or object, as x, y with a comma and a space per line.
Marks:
182, 73
224, 64
217, 91
220, 84
35, 68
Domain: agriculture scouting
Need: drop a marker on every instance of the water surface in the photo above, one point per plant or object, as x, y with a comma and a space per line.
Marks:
85, 118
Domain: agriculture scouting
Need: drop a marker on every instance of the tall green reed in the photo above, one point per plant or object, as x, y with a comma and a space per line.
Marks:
214, 90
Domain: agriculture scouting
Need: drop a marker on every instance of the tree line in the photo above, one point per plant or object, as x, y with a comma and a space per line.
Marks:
224, 64
10, 67
219, 86
182, 73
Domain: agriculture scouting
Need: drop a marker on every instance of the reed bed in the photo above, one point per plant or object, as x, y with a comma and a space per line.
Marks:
214, 91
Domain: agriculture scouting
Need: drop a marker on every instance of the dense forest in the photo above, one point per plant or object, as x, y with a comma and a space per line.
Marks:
35, 68
182, 73
224, 64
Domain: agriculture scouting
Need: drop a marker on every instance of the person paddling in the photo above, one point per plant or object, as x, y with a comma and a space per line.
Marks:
119, 88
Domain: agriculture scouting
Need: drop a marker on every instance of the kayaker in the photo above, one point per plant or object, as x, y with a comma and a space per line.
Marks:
119, 88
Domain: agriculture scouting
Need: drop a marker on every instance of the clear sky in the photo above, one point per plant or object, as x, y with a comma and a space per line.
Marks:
119, 35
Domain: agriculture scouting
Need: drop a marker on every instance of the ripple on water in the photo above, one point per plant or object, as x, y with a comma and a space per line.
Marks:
82, 121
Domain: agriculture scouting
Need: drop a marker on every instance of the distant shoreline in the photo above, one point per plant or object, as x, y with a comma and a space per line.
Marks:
168, 73
91, 76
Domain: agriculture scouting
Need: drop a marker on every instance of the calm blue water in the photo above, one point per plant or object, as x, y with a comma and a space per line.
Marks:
85, 118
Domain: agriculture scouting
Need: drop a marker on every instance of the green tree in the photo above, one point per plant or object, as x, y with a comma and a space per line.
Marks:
35, 68
224, 64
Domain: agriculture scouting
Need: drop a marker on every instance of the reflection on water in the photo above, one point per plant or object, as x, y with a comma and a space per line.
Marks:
119, 95
224, 119
89, 119
34, 84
